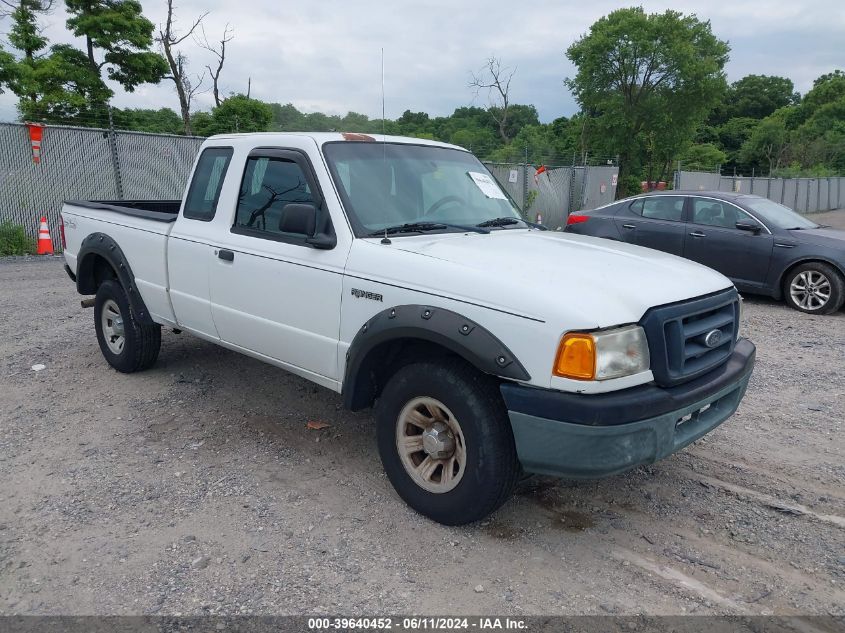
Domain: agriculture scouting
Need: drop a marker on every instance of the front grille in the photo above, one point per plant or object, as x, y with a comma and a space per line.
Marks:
678, 336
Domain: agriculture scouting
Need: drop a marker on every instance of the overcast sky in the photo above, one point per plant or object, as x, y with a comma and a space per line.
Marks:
326, 55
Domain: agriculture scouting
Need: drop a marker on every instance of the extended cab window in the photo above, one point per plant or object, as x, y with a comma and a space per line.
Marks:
270, 184
716, 213
201, 203
662, 208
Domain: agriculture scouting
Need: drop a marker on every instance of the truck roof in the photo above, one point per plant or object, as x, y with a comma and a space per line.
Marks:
326, 137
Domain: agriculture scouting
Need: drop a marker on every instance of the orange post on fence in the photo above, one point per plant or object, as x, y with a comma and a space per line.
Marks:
45, 242
36, 131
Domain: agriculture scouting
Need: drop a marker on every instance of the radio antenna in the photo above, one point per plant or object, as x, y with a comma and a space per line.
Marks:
385, 239
383, 132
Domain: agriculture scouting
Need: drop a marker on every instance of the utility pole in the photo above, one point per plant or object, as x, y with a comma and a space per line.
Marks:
118, 181
525, 181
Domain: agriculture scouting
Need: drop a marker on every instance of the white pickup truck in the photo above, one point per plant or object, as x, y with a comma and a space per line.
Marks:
396, 272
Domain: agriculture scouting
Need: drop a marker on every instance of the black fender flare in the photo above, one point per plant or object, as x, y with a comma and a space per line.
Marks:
458, 334
86, 284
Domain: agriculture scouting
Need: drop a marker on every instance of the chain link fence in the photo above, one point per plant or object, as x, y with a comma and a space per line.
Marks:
102, 164
805, 195
558, 190
87, 164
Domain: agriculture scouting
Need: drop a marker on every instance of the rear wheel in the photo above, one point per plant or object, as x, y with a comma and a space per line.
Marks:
445, 441
126, 344
815, 288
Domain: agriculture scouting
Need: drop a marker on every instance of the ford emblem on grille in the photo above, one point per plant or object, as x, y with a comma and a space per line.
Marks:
713, 338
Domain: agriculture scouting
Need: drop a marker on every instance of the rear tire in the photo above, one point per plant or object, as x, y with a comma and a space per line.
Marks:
463, 410
814, 288
127, 345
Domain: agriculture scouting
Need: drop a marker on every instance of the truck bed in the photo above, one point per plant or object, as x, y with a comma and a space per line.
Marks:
157, 210
140, 228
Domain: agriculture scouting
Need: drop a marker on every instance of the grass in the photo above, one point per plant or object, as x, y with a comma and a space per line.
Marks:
14, 240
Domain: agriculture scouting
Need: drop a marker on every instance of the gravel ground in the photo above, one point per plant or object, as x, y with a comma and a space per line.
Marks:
196, 488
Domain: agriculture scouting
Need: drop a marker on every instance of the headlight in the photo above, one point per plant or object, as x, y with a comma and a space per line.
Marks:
602, 355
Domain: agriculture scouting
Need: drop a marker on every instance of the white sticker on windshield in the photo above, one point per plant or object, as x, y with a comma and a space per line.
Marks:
487, 185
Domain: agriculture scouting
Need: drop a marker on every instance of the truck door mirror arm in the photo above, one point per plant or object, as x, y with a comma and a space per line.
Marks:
322, 241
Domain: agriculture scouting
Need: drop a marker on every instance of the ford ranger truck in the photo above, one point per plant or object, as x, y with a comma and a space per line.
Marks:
396, 272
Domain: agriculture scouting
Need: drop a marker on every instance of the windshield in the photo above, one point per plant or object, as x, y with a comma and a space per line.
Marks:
386, 185
777, 215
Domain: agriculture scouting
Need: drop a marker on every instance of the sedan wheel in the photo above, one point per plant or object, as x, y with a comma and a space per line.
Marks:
810, 290
815, 287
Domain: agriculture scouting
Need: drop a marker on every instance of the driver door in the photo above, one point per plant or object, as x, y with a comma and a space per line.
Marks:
713, 240
272, 293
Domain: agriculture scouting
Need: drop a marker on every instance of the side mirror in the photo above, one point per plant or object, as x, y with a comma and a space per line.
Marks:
749, 226
298, 218
323, 241
301, 218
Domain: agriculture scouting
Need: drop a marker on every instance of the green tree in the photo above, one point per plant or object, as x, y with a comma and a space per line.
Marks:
703, 157
826, 89
161, 121
53, 85
520, 116
286, 118
68, 92
644, 77
26, 37
767, 146
734, 132
819, 143
411, 122
8, 70
757, 96
238, 113
123, 37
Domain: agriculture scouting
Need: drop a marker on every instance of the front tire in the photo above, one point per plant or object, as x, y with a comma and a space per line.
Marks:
127, 345
814, 288
445, 441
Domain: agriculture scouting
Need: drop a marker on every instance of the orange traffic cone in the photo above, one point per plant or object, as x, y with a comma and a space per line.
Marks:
45, 243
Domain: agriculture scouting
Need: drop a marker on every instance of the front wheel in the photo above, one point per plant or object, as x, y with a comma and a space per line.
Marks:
445, 441
815, 288
127, 345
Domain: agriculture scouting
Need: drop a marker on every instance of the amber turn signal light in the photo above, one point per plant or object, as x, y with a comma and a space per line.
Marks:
576, 357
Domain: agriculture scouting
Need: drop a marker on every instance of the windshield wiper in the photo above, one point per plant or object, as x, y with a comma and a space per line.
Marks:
422, 227
506, 221
509, 220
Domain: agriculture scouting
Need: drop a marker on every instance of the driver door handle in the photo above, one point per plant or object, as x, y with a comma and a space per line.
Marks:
225, 255
629, 226
698, 234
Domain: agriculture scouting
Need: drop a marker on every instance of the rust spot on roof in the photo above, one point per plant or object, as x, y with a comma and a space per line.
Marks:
354, 136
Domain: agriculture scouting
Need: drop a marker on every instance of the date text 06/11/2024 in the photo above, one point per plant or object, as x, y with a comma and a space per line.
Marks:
417, 624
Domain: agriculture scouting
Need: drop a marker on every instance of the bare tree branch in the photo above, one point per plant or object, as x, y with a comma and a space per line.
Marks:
220, 54
169, 39
496, 80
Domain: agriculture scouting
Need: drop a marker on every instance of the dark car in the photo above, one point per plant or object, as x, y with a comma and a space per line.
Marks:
763, 247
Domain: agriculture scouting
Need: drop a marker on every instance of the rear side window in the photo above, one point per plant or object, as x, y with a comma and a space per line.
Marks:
662, 208
207, 182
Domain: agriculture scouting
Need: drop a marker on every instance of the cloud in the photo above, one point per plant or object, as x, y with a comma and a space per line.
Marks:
327, 56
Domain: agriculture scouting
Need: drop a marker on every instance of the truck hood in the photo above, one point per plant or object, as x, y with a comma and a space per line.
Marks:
545, 275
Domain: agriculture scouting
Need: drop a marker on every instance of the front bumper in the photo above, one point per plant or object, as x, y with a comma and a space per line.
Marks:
588, 436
